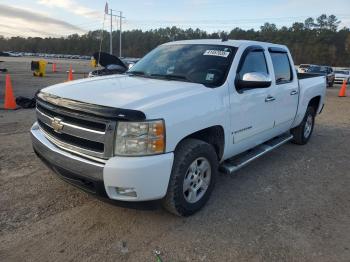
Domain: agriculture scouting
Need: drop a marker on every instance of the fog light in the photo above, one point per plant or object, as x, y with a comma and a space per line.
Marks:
126, 191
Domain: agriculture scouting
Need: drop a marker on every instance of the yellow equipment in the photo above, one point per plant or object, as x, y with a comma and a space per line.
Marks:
39, 68
93, 63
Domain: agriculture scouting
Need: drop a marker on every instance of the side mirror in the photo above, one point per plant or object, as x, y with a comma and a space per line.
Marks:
254, 80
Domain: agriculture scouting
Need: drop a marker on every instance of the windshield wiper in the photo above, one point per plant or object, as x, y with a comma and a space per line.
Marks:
136, 73
171, 77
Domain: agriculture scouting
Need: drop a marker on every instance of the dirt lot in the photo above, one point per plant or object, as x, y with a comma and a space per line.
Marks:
291, 205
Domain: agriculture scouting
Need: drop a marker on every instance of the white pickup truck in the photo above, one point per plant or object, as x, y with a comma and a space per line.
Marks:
165, 128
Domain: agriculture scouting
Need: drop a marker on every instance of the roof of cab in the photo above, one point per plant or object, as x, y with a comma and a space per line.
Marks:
235, 43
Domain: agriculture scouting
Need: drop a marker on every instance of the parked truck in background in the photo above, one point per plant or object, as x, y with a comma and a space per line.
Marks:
184, 112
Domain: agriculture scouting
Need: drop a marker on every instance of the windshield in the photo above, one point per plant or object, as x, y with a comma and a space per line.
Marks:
342, 72
204, 64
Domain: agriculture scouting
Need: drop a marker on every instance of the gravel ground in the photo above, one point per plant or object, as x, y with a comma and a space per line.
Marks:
290, 205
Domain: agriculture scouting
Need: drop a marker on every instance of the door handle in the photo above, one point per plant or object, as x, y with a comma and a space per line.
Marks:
269, 98
293, 93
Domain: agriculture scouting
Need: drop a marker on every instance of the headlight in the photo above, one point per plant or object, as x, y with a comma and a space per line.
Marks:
140, 138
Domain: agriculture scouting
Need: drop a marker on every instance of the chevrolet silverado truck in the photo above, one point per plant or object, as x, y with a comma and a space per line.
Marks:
183, 113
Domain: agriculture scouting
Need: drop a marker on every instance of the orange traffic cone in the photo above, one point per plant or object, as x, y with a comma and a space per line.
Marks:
54, 68
70, 74
10, 102
342, 92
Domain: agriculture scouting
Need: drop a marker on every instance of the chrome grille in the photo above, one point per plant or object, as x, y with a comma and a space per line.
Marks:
86, 135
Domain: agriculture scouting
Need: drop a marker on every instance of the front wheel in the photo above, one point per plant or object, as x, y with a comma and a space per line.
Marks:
192, 178
302, 133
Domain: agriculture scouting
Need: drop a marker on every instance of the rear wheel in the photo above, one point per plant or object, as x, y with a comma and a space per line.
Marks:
192, 179
302, 133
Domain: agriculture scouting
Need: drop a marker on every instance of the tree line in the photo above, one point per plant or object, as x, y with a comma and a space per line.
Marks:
316, 41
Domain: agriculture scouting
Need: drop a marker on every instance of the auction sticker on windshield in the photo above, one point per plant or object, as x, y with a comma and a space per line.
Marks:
217, 53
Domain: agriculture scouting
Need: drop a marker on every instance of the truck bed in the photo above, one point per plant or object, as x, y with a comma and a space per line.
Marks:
312, 81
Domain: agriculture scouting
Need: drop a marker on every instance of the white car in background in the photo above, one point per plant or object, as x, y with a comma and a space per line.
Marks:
303, 68
341, 75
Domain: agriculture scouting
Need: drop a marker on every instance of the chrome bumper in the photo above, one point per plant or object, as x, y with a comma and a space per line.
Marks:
340, 80
57, 157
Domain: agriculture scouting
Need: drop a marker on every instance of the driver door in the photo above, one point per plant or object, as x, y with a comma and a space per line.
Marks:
253, 108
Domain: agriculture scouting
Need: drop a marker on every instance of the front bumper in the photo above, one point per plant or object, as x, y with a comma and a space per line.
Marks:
147, 176
340, 80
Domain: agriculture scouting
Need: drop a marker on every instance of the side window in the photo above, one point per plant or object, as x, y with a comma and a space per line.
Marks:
254, 62
282, 67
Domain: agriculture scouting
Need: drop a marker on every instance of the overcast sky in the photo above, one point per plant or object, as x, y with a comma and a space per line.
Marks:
63, 17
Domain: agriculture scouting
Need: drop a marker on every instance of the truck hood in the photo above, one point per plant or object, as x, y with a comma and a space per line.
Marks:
127, 92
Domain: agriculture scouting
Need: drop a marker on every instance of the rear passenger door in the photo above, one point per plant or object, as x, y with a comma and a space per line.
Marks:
286, 88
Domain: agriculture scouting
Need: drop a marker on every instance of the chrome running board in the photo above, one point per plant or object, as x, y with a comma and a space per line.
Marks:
233, 164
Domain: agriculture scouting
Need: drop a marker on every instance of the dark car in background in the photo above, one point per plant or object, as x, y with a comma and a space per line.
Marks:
112, 64
323, 70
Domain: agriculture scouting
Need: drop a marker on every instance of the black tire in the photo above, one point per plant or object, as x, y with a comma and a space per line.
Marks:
299, 136
187, 152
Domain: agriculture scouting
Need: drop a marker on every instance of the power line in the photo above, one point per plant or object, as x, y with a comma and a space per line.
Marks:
223, 21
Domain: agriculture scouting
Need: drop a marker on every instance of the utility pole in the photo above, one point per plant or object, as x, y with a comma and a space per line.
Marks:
121, 17
111, 36
111, 31
120, 34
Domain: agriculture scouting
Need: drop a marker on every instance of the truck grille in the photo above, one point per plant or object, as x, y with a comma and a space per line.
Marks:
83, 134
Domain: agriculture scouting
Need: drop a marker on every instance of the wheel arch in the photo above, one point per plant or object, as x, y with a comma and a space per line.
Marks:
214, 135
315, 103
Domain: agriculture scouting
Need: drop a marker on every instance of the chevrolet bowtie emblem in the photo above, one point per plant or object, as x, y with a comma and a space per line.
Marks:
57, 124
